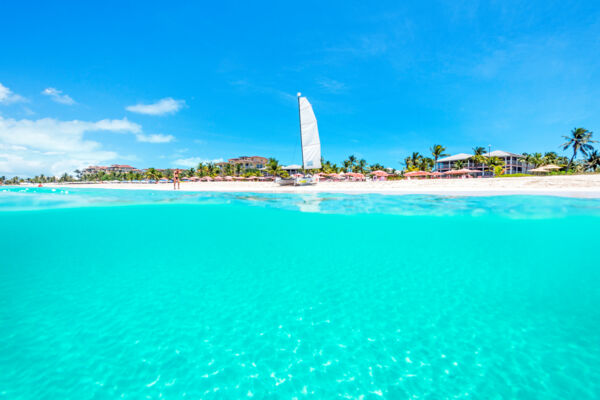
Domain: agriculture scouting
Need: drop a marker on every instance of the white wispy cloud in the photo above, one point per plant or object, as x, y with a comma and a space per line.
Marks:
332, 86
154, 138
8, 97
192, 162
164, 106
58, 96
245, 85
52, 146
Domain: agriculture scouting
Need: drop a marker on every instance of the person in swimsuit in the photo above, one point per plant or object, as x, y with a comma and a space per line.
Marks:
176, 183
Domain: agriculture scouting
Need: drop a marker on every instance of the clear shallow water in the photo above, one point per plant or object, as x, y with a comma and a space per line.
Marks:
197, 295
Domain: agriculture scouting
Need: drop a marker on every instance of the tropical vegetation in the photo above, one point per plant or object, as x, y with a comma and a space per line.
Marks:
584, 158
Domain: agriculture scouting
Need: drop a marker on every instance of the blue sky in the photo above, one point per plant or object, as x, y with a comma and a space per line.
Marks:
384, 78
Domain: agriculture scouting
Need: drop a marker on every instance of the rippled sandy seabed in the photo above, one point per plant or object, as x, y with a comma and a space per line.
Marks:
135, 294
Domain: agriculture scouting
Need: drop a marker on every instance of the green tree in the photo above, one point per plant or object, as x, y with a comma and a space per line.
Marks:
376, 167
459, 164
550, 157
425, 164
413, 162
437, 151
592, 162
153, 174
361, 166
580, 141
493, 162
478, 151
349, 163
536, 159
273, 168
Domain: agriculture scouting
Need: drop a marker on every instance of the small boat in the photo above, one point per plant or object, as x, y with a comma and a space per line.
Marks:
311, 145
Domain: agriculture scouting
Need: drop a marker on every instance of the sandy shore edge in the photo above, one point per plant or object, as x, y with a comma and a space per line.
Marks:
584, 186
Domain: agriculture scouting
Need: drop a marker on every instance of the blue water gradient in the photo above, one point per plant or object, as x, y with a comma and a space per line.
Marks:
139, 294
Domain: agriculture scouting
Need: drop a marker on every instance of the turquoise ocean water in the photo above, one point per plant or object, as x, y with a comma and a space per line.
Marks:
135, 294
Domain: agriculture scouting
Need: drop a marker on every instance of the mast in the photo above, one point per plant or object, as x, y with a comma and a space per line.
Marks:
300, 120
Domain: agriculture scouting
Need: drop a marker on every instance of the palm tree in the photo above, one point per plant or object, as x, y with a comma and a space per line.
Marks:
347, 166
550, 157
593, 161
376, 167
414, 161
478, 151
437, 151
211, 169
425, 164
153, 174
349, 163
200, 170
537, 159
493, 162
361, 166
459, 164
239, 169
579, 140
273, 168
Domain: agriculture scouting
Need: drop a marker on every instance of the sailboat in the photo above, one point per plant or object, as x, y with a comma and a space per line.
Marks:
311, 145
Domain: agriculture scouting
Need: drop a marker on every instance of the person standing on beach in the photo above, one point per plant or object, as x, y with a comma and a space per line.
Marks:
176, 183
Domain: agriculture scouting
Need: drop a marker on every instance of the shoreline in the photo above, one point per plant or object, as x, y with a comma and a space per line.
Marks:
581, 186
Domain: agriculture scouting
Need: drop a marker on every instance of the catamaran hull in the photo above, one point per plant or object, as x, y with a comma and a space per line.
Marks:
297, 181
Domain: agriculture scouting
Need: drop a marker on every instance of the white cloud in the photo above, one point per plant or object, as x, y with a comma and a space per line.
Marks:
192, 162
164, 106
154, 138
332, 86
8, 97
57, 96
50, 146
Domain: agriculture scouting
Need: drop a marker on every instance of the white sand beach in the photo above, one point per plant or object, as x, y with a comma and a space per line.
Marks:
565, 185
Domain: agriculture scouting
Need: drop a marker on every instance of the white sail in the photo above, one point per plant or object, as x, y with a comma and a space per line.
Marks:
311, 145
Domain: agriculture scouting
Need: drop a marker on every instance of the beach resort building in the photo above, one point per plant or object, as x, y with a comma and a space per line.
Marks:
94, 169
512, 163
121, 168
115, 168
253, 162
293, 169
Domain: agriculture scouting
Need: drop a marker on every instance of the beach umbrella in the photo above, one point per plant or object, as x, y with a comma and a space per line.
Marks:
410, 174
463, 171
551, 167
383, 173
229, 178
218, 178
539, 169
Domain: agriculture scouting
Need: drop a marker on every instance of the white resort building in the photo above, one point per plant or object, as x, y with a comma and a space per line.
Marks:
512, 163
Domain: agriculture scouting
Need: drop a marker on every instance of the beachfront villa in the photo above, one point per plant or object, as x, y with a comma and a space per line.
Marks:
293, 169
253, 162
512, 163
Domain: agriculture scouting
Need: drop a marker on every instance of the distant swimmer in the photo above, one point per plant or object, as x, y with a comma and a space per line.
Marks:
176, 182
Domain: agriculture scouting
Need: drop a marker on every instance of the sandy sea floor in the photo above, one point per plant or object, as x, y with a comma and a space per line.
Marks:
572, 186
